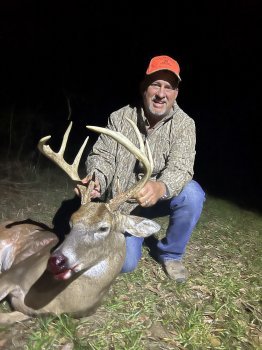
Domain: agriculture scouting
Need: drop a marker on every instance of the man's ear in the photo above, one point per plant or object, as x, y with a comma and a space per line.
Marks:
139, 227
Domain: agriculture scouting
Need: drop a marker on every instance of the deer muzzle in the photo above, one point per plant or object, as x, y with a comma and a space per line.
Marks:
58, 266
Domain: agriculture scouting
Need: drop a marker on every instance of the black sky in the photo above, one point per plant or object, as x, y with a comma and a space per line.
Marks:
95, 54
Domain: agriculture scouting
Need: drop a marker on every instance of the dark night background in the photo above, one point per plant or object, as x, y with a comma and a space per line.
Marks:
94, 54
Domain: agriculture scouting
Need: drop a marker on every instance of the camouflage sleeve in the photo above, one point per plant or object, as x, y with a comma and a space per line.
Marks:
101, 159
179, 167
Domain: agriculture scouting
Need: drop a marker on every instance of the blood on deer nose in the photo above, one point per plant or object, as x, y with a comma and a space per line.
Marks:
57, 263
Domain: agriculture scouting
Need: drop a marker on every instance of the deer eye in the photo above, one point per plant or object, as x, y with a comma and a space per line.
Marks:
101, 232
103, 229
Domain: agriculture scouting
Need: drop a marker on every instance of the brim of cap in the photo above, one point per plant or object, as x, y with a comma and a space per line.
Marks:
157, 70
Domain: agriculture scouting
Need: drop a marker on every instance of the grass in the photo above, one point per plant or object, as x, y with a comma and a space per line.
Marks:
218, 308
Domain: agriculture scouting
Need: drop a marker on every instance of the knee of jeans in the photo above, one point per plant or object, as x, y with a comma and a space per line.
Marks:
192, 196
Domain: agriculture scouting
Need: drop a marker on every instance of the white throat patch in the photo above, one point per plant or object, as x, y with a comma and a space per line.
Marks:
97, 270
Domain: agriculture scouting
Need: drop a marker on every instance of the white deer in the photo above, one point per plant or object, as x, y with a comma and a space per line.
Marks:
75, 277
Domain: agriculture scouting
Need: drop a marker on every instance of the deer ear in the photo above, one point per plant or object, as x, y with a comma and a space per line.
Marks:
139, 227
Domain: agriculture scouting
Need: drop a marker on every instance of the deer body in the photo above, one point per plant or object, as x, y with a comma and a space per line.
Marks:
74, 277
95, 252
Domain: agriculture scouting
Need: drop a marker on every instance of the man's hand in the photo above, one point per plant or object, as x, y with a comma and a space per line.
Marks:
150, 193
96, 192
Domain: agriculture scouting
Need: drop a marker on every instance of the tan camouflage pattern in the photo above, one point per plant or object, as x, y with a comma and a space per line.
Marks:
172, 143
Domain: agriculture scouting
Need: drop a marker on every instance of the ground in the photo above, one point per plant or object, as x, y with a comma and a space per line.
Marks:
218, 307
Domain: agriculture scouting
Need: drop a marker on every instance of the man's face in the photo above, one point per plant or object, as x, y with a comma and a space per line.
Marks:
160, 93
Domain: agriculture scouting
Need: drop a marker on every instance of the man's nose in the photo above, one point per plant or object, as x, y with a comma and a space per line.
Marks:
161, 91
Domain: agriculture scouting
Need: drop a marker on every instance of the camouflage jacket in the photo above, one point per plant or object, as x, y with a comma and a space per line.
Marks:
171, 141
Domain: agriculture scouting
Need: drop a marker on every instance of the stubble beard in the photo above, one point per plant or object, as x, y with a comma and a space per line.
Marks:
155, 115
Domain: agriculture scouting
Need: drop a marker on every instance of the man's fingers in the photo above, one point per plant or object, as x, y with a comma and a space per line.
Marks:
95, 194
86, 179
96, 187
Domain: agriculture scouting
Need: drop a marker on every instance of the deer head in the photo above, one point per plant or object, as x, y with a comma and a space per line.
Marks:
96, 244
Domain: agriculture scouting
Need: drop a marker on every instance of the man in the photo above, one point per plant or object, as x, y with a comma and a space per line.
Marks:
170, 133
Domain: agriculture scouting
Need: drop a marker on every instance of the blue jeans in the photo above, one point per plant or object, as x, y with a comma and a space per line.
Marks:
184, 211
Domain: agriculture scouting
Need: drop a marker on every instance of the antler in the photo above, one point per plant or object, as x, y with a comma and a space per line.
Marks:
58, 158
70, 169
139, 153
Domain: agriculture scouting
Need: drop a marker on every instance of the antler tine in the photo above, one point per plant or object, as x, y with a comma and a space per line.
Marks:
138, 153
70, 169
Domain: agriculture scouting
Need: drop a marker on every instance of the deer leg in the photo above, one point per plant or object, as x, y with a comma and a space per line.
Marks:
9, 318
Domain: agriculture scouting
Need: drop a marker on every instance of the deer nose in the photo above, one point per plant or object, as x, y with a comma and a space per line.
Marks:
57, 263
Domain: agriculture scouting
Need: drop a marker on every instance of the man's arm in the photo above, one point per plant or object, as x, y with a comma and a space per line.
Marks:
177, 172
179, 168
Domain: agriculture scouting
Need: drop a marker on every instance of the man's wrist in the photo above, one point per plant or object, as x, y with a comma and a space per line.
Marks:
165, 193
165, 196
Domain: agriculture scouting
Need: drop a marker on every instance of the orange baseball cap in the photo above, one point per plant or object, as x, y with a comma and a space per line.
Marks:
163, 63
